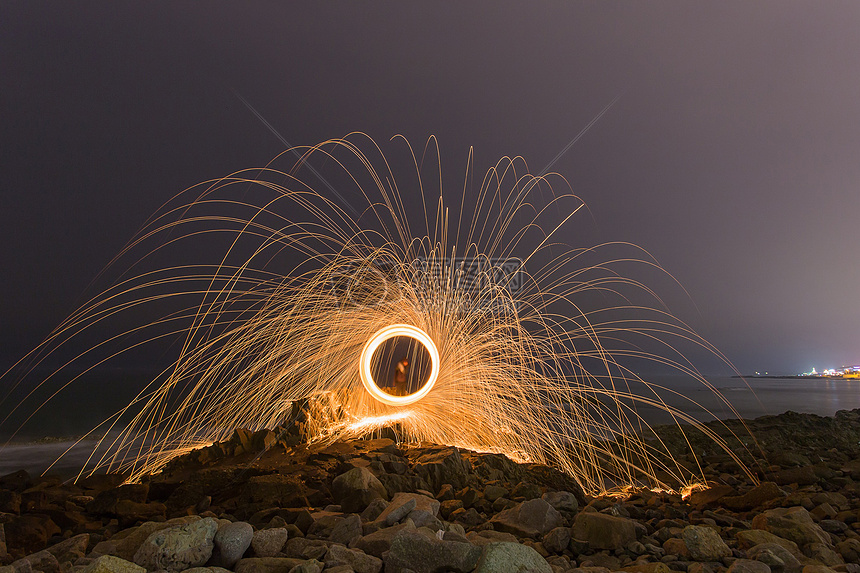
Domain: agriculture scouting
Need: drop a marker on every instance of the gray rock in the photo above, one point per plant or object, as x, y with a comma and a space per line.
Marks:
440, 466
501, 557
374, 510
355, 489
358, 561
347, 531
178, 548
823, 553
396, 511
411, 549
556, 540
603, 531
267, 565
111, 564
704, 544
231, 542
530, 518
269, 542
748, 566
561, 500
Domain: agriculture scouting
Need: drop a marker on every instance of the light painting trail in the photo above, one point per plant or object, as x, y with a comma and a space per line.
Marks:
528, 339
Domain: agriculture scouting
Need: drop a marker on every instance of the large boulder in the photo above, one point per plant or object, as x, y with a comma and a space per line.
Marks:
530, 518
178, 548
502, 557
603, 531
415, 551
355, 489
792, 523
126, 543
231, 542
704, 544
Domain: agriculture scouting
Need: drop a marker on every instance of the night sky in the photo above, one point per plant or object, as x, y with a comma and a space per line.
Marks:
732, 154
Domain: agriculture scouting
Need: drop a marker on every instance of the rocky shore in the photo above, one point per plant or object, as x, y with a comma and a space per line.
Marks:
265, 503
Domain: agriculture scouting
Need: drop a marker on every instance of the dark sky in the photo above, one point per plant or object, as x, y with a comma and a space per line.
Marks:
732, 155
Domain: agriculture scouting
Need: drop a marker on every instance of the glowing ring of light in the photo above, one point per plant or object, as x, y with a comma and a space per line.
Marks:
375, 341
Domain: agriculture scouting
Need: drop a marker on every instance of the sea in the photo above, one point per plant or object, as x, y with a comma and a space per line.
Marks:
52, 438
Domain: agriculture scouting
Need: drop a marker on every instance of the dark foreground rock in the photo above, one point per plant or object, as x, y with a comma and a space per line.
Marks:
264, 503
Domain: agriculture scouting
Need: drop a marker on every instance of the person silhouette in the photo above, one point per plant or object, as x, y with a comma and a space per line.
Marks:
401, 378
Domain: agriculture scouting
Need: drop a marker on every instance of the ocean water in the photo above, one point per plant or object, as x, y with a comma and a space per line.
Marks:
49, 436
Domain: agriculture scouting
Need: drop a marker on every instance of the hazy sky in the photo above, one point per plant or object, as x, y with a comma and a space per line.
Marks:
732, 155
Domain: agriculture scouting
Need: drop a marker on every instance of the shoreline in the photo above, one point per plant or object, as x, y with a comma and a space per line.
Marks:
373, 505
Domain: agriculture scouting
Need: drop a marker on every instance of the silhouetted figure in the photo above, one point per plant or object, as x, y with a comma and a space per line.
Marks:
401, 378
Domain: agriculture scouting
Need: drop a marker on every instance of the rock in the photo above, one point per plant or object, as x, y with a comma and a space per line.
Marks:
71, 549
10, 501
129, 511
802, 476
309, 566
374, 510
823, 553
768, 552
561, 500
793, 523
438, 466
111, 564
106, 501
126, 543
304, 549
380, 541
530, 518
412, 550
704, 544
676, 546
396, 510
752, 537
756, 497
267, 565
178, 548
556, 540
748, 566
359, 561
849, 550
603, 531
494, 492
355, 489
505, 557
28, 533
231, 542
40, 561
276, 490
413, 502
347, 530
269, 542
